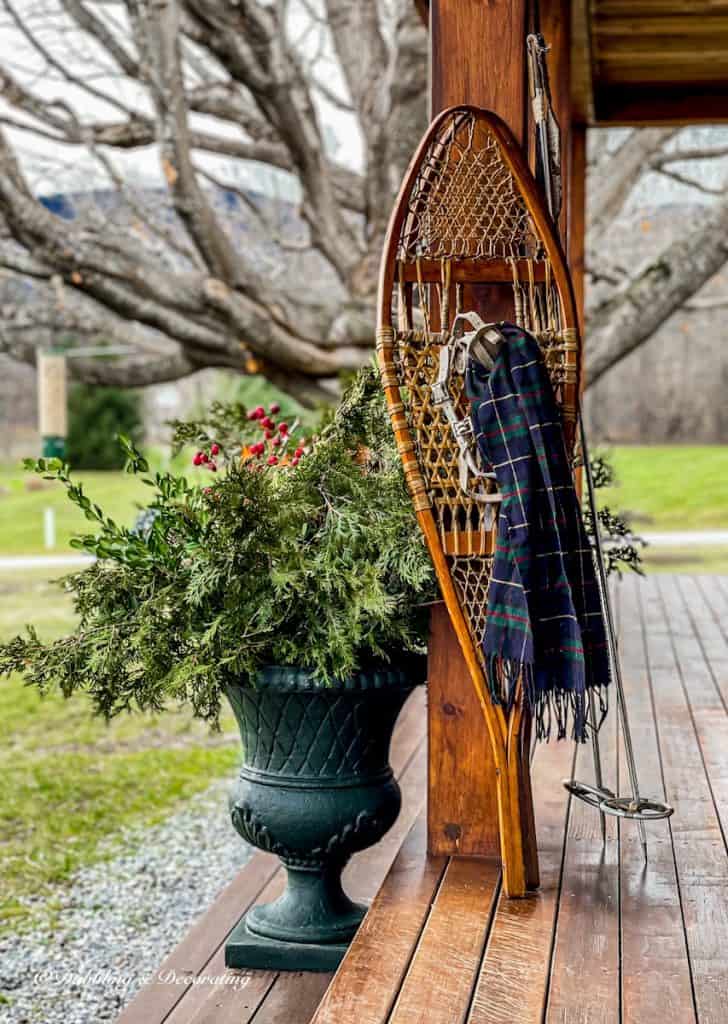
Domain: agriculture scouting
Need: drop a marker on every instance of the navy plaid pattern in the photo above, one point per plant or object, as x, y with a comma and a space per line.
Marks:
545, 622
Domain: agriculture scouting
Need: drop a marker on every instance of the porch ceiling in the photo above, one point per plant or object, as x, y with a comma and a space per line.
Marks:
648, 61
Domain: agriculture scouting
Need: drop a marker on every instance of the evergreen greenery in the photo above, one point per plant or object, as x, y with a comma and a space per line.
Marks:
96, 417
622, 547
314, 561
319, 565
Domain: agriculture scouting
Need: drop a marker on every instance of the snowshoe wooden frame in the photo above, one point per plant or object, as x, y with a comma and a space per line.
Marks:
469, 212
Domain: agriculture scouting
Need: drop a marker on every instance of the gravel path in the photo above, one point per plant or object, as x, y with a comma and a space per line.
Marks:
116, 915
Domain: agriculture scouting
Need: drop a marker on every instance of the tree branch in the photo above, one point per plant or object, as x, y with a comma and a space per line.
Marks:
639, 309
251, 44
619, 174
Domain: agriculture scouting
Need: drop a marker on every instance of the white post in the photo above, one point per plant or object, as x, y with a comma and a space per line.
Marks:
49, 528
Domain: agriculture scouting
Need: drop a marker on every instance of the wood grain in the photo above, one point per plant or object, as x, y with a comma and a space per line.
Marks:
365, 987
293, 998
585, 969
555, 25
654, 61
656, 981
462, 809
500, 85
438, 986
466, 36
472, 271
515, 970
677, 680
190, 958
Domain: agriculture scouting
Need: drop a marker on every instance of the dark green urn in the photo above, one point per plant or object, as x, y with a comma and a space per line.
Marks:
315, 787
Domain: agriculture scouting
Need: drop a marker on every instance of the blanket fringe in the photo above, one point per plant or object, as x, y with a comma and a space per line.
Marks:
552, 707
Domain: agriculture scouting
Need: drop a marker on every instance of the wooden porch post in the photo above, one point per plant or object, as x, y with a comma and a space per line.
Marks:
478, 56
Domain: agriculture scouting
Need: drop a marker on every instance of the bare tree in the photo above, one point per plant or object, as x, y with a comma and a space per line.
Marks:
211, 87
631, 303
167, 276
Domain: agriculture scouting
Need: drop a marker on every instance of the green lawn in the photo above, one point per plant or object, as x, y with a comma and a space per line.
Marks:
24, 497
671, 487
71, 782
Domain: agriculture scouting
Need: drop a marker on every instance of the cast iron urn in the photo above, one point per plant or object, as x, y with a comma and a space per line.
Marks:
315, 787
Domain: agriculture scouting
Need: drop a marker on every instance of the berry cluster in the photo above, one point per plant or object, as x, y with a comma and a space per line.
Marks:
276, 435
202, 458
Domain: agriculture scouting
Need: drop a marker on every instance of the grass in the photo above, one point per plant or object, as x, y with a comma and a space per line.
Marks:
24, 498
671, 487
71, 782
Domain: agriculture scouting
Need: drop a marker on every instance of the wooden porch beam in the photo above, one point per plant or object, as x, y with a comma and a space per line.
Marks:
659, 106
582, 63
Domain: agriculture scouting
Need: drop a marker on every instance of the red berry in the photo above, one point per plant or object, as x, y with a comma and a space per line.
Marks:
259, 412
268, 435
204, 457
276, 442
213, 467
215, 449
257, 449
295, 460
274, 408
266, 421
208, 490
273, 460
298, 452
251, 415
283, 428
197, 459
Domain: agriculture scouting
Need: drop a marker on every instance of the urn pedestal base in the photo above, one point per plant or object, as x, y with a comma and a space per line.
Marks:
308, 928
246, 950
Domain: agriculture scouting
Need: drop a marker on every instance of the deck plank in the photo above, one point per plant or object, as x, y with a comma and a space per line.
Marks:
368, 981
189, 959
656, 980
515, 969
439, 985
293, 997
585, 972
679, 684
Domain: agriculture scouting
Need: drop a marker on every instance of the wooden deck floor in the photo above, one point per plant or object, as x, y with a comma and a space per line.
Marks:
607, 939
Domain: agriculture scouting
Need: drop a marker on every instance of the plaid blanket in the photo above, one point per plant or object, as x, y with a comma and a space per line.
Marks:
545, 623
